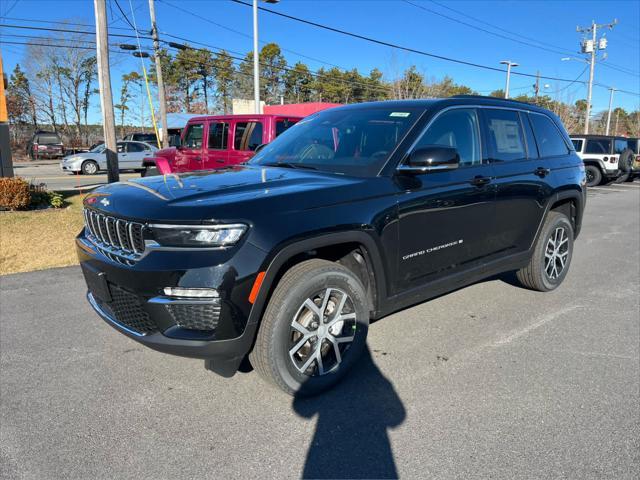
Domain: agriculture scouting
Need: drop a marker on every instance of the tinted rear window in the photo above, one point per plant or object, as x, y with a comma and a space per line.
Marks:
633, 144
599, 146
548, 137
577, 144
620, 145
506, 138
248, 135
44, 139
284, 124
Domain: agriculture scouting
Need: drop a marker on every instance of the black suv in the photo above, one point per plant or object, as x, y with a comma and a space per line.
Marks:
45, 145
348, 216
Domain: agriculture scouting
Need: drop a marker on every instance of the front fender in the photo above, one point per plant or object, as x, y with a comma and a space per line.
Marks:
162, 164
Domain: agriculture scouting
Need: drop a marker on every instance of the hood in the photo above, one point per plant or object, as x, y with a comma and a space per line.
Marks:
232, 193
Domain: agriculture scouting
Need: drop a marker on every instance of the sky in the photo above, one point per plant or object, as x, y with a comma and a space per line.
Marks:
224, 24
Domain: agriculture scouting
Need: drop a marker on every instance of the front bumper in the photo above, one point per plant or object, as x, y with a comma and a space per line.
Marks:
130, 299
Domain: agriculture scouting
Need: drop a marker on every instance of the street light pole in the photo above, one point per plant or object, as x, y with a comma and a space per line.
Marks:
256, 60
609, 113
509, 64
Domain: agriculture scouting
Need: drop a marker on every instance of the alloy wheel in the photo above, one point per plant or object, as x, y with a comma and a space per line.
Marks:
556, 253
321, 332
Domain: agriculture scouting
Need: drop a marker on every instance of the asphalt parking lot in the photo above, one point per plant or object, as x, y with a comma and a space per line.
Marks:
48, 172
491, 381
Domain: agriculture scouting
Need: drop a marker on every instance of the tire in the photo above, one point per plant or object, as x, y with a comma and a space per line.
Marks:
285, 355
149, 172
89, 167
594, 175
539, 274
625, 164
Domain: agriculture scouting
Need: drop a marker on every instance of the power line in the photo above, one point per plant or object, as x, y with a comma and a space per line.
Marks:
66, 30
124, 17
396, 46
56, 22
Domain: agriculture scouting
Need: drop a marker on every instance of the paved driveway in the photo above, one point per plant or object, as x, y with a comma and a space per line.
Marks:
491, 381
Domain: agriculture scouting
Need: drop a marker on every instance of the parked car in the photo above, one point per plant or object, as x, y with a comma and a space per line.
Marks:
45, 145
353, 214
217, 141
601, 157
131, 156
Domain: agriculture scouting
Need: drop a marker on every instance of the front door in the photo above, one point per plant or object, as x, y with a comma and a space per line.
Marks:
217, 151
446, 217
189, 155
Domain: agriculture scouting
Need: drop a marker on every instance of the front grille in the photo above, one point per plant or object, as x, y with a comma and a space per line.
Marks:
127, 310
195, 317
120, 240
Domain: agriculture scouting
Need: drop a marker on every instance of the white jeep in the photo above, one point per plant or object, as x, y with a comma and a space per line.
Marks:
601, 155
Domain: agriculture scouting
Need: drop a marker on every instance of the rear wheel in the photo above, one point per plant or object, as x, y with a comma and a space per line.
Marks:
552, 254
314, 328
593, 174
89, 167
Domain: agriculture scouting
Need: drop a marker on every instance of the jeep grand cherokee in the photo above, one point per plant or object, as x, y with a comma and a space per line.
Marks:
348, 216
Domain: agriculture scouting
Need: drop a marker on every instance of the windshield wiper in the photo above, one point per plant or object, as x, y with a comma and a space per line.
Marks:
289, 165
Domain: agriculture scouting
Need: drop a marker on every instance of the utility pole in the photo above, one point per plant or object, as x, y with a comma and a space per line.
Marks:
609, 113
106, 98
536, 86
591, 47
616, 130
161, 94
509, 64
256, 60
6, 162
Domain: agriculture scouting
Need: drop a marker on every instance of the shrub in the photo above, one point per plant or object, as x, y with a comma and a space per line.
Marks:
56, 200
39, 196
15, 193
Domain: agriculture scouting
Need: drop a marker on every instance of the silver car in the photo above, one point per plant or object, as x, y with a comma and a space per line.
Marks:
130, 157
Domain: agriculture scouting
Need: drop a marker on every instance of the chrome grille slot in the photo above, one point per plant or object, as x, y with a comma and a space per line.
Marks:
120, 240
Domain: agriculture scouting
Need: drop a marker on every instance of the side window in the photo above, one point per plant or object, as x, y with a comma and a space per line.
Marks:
284, 124
598, 146
193, 137
218, 133
456, 128
505, 136
549, 138
532, 147
135, 147
577, 144
620, 145
122, 147
248, 135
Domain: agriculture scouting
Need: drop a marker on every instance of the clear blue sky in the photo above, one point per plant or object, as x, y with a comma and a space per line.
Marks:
552, 22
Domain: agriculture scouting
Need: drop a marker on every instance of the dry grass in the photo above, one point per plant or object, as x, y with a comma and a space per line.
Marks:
40, 239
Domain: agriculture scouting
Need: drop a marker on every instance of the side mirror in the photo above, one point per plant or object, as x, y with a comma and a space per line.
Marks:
431, 159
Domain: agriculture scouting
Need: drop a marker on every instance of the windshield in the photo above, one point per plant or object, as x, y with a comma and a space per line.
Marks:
97, 148
354, 141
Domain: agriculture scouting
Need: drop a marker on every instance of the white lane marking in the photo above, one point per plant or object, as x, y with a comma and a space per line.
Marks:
534, 326
600, 355
603, 189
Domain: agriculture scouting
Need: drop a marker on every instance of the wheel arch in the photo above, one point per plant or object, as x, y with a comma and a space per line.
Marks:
339, 247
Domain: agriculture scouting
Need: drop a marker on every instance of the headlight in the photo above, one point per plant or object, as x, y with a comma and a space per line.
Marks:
71, 159
197, 235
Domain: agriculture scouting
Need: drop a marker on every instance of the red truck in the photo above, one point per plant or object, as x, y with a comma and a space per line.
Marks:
215, 141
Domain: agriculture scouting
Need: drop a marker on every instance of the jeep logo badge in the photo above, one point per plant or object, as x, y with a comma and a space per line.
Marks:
105, 202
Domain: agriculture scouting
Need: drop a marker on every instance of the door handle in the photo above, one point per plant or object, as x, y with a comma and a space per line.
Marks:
480, 181
542, 172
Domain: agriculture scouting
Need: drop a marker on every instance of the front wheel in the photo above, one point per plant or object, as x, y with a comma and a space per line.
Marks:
314, 328
594, 175
90, 167
551, 257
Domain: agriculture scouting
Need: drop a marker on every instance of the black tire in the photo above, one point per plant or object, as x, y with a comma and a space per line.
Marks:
275, 356
536, 275
625, 164
593, 174
149, 172
89, 167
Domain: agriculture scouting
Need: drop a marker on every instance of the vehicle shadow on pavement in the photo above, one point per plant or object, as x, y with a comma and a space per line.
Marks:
351, 439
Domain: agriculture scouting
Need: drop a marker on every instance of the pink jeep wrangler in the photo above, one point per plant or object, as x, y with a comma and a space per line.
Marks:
215, 141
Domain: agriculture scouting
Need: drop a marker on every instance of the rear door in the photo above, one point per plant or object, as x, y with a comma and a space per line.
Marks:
189, 155
217, 151
135, 154
247, 136
522, 177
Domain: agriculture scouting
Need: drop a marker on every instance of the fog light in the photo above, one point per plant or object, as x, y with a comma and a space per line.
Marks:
191, 292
